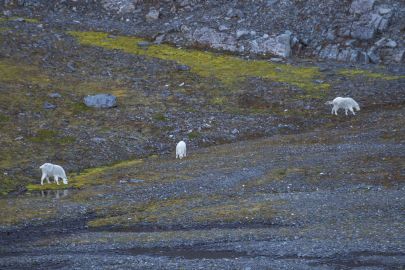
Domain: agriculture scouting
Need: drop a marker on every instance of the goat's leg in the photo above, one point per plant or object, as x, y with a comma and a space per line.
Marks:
42, 178
56, 180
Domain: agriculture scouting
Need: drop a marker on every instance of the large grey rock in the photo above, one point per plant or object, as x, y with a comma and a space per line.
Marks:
361, 6
279, 45
101, 101
400, 56
210, 37
374, 56
344, 55
383, 25
330, 52
362, 32
375, 20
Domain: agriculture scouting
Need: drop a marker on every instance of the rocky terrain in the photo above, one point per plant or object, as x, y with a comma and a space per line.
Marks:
273, 180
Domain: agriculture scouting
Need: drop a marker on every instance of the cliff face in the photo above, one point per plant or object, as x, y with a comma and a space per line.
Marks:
358, 31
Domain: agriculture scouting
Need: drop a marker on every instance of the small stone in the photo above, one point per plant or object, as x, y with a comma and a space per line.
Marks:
241, 33
350, 42
55, 95
319, 81
134, 181
276, 59
49, 106
71, 66
152, 15
98, 140
183, 68
144, 44
383, 10
159, 39
101, 101
223, 27
19, 19
400, 56
391, 44
380, 42
373, 56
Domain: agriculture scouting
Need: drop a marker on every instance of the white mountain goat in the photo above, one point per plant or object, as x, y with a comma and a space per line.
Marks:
181, 150
52, 170
345, 103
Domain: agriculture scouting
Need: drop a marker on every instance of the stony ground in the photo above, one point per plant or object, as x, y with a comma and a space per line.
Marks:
272, 180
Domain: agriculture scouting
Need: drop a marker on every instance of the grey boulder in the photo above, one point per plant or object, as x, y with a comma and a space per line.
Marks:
101, 101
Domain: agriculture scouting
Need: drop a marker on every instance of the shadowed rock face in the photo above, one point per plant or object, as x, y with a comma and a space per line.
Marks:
246, 27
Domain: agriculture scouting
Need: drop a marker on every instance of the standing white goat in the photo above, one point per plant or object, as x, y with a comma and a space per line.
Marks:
52, 170
181, 150
345, 103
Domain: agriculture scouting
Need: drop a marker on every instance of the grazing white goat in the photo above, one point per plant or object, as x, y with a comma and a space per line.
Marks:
345, 103
52, 170
181, 150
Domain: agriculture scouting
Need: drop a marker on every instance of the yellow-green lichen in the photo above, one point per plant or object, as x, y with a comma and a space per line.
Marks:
91, 176
50, 136
369, 74
228, 69
16, 211
200, 210
14, 18
11, 72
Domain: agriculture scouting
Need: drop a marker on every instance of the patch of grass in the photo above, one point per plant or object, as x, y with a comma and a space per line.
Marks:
91, 176
4, 118
194, 135
199, 210
218, 101
79, 107
160, 117
16, 211
369, 74
7, 185
230, 70
28, 20
11, 72
51, 136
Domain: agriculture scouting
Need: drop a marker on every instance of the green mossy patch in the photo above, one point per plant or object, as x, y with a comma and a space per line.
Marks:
369, 74
174, 212
14, 18
50, 136
228, 69
17, 211
160, 117
4, 118
91, 176
11, 72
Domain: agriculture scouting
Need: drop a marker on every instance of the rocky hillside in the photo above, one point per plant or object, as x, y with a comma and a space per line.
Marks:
358, 31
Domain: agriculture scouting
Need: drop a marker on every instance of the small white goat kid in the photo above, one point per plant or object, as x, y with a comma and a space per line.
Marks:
181, 150
52, 170
345, 103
